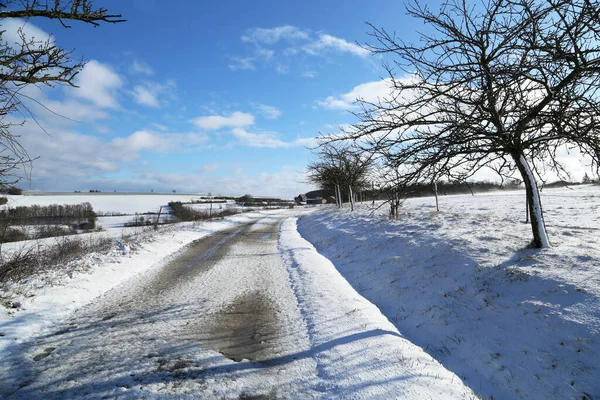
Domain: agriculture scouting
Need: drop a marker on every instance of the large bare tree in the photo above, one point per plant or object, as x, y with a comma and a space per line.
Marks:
35, 61
504, 84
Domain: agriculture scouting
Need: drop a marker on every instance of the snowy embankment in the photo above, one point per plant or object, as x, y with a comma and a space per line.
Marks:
358, 353
41, 304
511, 322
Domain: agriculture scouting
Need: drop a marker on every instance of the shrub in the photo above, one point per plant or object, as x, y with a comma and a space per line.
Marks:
30, 261
52, 231
53, 214
14, 191
140, 220
183, 213
3, 201
13, 235
86, 226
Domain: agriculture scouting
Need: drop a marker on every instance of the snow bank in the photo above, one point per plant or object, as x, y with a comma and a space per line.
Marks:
511, 322
358, 352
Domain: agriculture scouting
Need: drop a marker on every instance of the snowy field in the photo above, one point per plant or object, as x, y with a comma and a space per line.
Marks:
125, 205
339, 346
103, 202
510, 321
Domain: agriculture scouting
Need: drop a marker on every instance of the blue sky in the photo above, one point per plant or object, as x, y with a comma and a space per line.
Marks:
220, 97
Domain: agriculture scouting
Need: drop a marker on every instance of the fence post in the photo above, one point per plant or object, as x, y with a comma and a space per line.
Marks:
157, 218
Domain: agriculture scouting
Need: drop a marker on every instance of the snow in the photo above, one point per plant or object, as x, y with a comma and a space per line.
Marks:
43, 305
102, 202
359, 353
331, 342
510, 321
371, 308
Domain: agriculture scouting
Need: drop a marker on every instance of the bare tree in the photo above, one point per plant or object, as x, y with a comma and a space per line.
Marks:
505, 84
392, 188
341, 169
35, 61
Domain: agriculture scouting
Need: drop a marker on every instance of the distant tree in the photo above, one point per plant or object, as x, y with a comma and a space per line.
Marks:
503, 84
393, 189
586, 178
342, 169
34, 61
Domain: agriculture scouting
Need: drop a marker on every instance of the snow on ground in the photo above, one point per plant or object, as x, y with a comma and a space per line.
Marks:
359, 354
335, 343
510, 321
102, 202
42, 305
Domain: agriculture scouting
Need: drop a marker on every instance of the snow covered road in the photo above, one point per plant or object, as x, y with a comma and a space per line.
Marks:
252, 311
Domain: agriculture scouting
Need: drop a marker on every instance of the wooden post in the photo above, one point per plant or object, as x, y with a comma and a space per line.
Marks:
435, 189
157, 218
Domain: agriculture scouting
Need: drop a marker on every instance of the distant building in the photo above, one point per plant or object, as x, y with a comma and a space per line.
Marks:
318, 200
314, 197
301, 199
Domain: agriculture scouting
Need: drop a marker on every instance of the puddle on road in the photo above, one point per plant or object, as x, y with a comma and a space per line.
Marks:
246, 329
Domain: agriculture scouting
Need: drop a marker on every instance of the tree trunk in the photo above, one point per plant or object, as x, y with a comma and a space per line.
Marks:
526, 207
339, 193
351, 195
540, 236
437, 203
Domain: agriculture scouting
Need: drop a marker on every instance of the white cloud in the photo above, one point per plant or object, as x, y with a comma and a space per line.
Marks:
69, 155
370, 91
103, 129
327, 43
148, 94
208, 168
309, 74
269, 112
286, 182
282, 68
267, 140
214, 122
57, 113
140, 67
159, 126
12, 28
242, 64
99, 84
274, 35
145, 96
249, 63
266, 48
158, 142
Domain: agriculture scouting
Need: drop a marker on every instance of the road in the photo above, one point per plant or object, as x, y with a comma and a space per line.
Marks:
229, 316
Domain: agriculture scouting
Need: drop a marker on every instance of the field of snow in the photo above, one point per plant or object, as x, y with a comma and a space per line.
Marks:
103, 202
128, 204
510, 321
